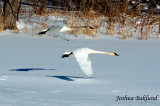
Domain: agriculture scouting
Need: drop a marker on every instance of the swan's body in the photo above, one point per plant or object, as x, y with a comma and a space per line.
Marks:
83, 59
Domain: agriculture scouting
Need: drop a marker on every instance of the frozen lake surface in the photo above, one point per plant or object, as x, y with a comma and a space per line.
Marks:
32, 72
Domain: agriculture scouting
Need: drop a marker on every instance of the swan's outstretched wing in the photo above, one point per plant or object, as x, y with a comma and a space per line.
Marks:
84, 61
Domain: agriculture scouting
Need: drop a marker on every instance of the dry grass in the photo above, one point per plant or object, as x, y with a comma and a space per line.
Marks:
118, 19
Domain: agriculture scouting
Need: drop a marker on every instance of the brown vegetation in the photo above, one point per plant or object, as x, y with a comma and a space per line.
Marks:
116, 16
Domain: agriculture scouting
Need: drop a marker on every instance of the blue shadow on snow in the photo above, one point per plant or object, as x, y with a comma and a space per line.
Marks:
70, 78
29, 69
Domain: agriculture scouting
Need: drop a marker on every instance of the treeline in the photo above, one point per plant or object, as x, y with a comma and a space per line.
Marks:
97, 5
124, 12
11, 8
105, 4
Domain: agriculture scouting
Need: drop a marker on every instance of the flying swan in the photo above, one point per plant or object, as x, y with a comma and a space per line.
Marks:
83, 59
59, 30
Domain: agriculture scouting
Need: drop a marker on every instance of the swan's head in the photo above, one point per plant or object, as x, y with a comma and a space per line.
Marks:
114, 54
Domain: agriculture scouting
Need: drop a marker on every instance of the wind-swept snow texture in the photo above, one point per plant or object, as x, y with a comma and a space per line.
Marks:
32, 72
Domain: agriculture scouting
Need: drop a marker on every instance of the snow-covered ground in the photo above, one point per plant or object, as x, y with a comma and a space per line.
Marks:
32, 72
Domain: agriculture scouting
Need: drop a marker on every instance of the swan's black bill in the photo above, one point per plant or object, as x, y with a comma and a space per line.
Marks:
66, 55
43, 32
116, 54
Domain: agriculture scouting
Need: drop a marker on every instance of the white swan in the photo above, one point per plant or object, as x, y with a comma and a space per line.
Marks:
83, 59
59, 30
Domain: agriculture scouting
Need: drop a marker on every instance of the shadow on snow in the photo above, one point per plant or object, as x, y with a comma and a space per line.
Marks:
29, 69
70, 78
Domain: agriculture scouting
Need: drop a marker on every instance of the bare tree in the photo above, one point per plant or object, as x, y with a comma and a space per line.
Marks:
9, 14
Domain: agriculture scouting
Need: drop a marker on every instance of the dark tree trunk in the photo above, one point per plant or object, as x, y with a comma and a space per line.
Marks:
18, 10
153, 3
1, 19
10, 12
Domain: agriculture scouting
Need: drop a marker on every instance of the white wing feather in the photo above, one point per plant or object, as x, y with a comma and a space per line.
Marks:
84, 61
65, 29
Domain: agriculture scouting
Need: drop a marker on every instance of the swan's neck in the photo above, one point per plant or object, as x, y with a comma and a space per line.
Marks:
98, 52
